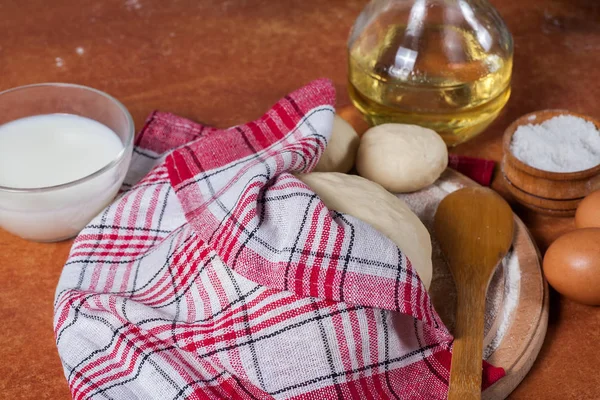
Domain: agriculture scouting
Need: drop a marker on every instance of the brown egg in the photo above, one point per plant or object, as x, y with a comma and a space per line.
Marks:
588, 212
572, 265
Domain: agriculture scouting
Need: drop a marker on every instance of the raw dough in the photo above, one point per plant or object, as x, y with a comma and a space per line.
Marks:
401, 158
374, 205
340, 152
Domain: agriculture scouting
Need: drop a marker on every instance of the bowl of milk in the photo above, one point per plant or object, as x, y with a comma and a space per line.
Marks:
64, 152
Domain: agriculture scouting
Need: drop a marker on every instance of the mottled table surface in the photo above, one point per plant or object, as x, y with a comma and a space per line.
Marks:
224, 63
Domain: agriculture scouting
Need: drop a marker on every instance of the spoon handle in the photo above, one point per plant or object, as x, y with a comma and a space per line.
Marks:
466, 367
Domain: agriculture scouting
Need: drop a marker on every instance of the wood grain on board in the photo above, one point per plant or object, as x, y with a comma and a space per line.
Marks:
517, 297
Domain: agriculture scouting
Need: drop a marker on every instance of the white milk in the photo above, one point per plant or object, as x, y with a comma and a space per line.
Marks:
53, 149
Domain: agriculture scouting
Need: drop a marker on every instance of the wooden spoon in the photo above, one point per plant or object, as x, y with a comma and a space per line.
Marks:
474, 227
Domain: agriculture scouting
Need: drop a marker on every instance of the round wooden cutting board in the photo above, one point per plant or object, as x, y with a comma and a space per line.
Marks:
517, 298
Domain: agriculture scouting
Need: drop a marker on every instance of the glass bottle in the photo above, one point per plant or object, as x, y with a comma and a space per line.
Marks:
441, 64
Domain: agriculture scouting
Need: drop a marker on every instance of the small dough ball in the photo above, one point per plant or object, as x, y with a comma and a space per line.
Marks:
401, 158
369, 202
340, 152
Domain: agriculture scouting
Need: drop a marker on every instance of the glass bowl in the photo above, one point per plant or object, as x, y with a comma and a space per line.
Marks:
54, 213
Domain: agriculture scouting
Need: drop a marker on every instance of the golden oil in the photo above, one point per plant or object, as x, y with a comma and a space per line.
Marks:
449, 84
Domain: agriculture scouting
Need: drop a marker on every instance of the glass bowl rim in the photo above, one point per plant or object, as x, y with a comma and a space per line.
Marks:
115, 161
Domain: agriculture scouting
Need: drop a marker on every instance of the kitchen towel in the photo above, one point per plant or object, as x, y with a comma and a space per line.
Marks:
219, 275
478, 169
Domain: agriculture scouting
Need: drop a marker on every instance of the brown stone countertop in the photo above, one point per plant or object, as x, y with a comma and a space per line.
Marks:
224, 63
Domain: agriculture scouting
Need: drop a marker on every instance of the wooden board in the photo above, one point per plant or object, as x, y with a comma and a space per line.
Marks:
517, 298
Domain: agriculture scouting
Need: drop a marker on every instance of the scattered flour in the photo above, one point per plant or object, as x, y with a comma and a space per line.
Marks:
561, 144
80, 50
133, 5
512, 291
449, 186
59, 62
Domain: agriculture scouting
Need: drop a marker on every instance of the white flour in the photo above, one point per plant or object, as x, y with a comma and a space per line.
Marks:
133, 5
561, 144
512, 289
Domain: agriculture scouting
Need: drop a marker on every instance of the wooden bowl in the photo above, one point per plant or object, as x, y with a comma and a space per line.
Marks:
542, 205
552, 213
546, 184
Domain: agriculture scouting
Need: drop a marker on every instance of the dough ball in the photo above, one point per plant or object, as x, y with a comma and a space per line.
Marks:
401, 158
369, 202
340, 152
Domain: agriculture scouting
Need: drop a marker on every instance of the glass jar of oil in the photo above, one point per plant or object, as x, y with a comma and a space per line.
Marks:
441, 64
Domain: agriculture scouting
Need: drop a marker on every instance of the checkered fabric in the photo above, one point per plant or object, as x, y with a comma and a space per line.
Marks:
478, 169
219, 275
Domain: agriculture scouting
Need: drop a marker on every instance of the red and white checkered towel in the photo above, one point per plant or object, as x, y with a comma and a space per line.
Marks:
219, 275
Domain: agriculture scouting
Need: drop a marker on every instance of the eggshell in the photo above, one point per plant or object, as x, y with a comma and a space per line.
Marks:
572, 265
588, 212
